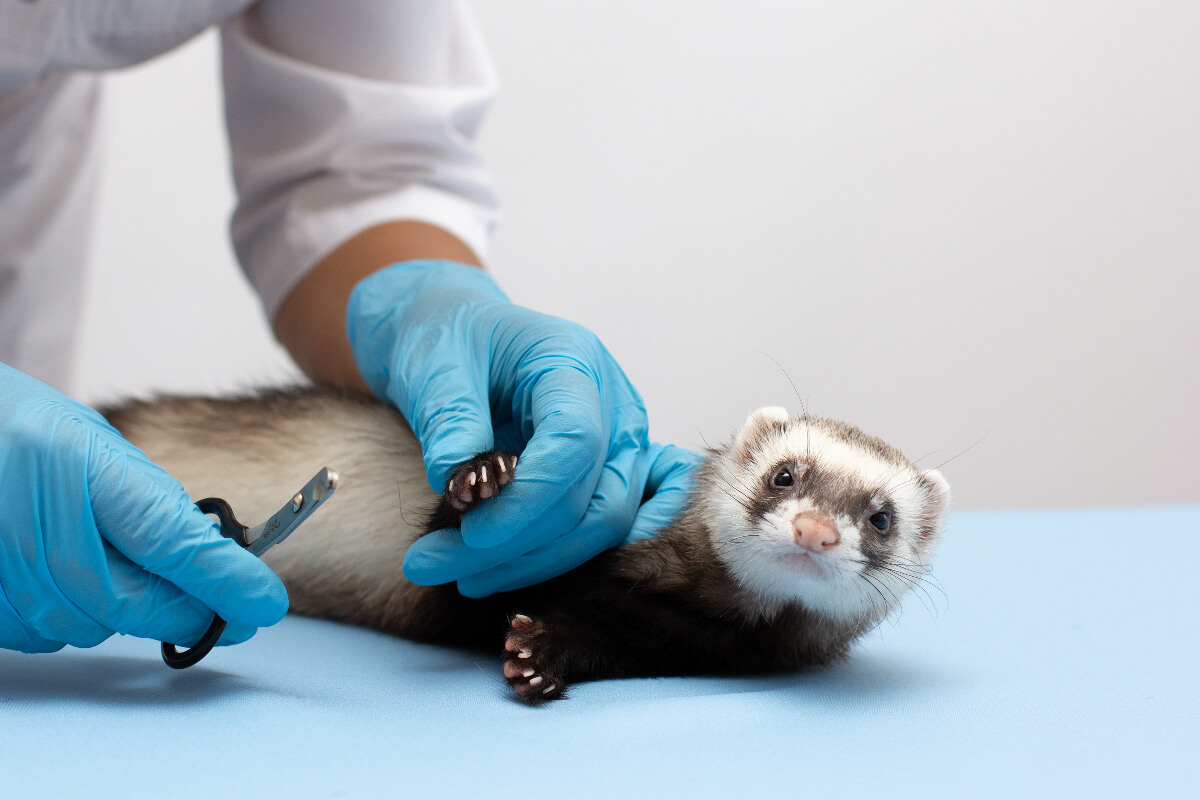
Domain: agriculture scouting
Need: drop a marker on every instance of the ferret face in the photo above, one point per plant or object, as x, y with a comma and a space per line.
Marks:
817, 512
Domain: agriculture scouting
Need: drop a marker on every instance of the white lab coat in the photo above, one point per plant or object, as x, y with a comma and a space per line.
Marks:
341, 115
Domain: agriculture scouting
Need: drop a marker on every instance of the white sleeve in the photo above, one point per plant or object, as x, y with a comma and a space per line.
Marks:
49, 167
346, 115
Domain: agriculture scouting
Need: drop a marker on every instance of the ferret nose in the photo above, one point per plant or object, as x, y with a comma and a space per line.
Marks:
815, 532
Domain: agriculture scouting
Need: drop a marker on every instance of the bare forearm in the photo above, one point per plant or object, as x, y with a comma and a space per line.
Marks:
311, 323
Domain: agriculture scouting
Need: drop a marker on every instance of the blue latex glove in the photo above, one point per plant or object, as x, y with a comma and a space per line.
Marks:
472, 372
96, 540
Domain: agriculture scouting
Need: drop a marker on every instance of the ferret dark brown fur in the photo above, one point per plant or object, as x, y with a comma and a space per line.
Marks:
799, 535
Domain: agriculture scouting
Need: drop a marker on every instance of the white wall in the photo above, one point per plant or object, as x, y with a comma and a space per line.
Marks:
946, 221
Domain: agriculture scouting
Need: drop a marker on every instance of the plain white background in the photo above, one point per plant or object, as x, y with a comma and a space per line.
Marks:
948, 222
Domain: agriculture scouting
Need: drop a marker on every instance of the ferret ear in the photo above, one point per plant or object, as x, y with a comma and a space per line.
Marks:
756, 428
937, 489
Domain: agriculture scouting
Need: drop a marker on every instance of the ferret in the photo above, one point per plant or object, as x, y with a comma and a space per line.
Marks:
799, 535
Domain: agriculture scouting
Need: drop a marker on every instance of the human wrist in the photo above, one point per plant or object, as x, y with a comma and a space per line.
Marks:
311, 321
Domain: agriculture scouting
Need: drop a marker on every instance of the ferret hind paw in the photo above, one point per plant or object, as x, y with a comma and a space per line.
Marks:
528, 661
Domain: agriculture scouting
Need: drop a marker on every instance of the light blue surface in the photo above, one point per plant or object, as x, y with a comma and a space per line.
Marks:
1062, 662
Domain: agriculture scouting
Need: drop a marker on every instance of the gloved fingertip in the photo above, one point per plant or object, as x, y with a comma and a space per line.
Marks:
452, 443
419, 573
236, 634
656, 513
278, 602
426, 563
268, 609
497, 521
475, 589
647, 528
673, 465
257, 598
438, 472
30, 644
16, 634
670, 478
516, 574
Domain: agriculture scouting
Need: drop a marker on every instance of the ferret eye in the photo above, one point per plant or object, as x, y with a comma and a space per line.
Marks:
783, 478
882, 521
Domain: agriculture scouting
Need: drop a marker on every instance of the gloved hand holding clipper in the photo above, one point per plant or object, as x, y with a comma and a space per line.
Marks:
96, 540
471, 371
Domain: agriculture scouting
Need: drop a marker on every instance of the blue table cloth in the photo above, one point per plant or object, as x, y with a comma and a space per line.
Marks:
1062, 661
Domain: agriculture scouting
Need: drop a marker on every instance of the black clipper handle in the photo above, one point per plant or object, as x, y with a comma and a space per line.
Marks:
230, 529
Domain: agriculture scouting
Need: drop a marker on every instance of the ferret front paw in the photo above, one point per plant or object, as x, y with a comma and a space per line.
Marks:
479, 478
530, 661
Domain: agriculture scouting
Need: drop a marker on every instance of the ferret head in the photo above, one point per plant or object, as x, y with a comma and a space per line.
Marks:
816, 512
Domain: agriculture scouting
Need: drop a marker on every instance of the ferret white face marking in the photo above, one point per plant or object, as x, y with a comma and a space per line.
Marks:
816, 512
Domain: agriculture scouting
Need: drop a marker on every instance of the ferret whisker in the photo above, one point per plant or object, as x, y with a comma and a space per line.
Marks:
959, 454
871, 583
743, 498
747, 497
885, 485
910, 481
738, 539
924, 473
915, 575
918, 589
925, 583
922, 572
742, 489
916, 461
896, 558
928, 582
893, 592
912, 570
743, 503
803, 405
925, 580
882, 617
933, 581
909, 567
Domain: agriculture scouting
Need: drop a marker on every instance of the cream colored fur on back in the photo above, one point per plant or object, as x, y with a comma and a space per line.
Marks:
257, 462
